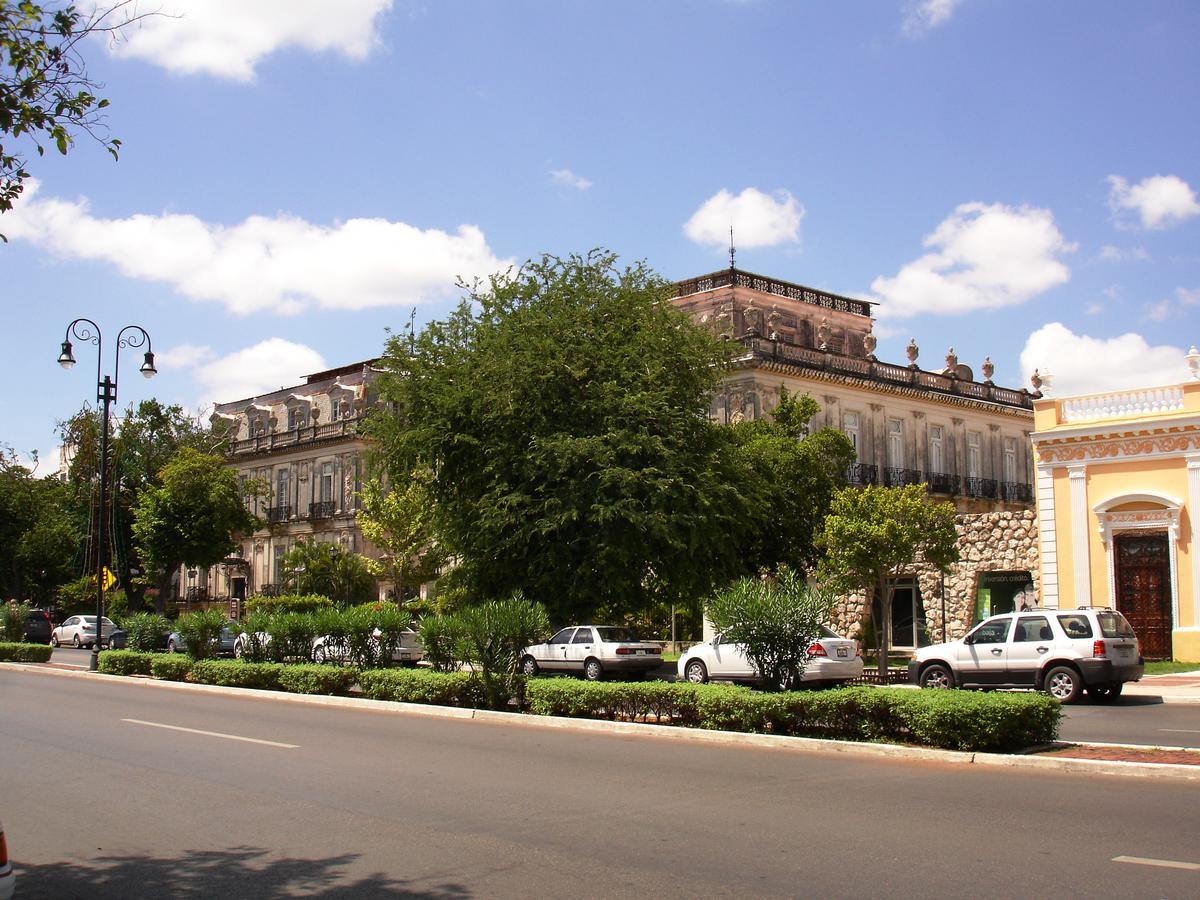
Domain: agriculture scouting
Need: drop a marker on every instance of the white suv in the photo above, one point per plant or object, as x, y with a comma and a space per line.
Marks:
1060, 651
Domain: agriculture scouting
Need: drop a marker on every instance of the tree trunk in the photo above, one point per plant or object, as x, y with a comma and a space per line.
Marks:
884, 627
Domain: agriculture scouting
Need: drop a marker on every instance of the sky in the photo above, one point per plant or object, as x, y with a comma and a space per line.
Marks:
1017, 180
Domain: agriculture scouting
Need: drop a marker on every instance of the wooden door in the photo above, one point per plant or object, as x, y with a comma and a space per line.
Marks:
1144, 590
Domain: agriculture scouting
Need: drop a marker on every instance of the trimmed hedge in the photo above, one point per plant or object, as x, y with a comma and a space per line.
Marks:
423, 686
19, 652
236, 673
314, 679
125, 662
171, 667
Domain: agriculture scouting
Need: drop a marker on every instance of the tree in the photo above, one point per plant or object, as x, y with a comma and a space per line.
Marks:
330, 571
46, 94
562, 410
776, 619
39, 537
399, 522
872, 533
192, 518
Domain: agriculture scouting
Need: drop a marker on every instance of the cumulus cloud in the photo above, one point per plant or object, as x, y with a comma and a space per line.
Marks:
267, 366
567, 178
983, 257
1158, 201
228, 38
758, 219
921, 16
1081, 364
279, 263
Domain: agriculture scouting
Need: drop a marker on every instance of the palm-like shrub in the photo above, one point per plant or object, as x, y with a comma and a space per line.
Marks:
440, 638
13, 616
200, 631
776, 619
492, 637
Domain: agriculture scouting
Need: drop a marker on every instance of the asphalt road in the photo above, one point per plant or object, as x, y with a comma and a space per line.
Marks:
280, 799
1131, 720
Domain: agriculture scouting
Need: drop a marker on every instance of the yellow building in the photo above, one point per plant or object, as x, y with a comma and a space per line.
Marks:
1118, 493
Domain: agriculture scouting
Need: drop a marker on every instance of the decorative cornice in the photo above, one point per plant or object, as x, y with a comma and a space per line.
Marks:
1142, 445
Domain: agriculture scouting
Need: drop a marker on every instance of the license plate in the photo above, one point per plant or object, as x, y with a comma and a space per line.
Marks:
843, 652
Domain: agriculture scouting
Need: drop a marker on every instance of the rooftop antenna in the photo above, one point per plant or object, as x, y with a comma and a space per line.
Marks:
412, 331
731, 250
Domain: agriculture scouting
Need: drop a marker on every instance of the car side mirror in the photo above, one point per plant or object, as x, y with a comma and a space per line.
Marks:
969, 639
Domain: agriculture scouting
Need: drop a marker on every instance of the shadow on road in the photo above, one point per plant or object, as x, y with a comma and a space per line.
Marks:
239, 872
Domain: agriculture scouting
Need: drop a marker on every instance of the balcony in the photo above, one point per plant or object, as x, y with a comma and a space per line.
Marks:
322, 509
279, 513
893, 477
1015, 490
942, 482
861, 474
980, 487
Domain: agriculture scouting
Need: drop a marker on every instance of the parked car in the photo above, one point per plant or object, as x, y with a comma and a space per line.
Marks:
80, 631
832, 659
225, 641
117, 640
242, 642
1060, 651
408, 652
38, 627
592, 651
8, 881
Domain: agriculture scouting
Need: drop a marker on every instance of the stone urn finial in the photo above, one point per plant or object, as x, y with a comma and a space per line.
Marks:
315, 412
912, 351
951, 359
870, 342
774, 318
988, 369
1036, 380
824, 333
1193, 363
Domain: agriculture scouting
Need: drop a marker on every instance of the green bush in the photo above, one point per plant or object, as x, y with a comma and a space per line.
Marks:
422, 686
171, 667
200, 632
440, 637
237, 673
305, 603
34, 653
125, 662
314, 679
146, 631
13, 616
292, 635
493, 634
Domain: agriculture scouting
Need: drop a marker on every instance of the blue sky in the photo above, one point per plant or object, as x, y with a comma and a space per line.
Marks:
1015, 179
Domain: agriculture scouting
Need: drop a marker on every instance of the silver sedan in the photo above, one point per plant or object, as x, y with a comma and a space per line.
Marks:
831, 660
80, 631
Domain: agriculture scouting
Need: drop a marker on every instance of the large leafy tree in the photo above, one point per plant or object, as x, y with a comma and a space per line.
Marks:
47, 96
871, 534
191, 518
39, 535
398, 519
562, 409
330, 571
142, 442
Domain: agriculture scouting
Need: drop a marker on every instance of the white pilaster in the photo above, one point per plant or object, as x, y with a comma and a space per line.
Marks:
1193, 472
1047, 539
1077, 474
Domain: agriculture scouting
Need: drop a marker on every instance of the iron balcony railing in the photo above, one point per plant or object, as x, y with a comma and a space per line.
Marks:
860, 474
309, 433
893, 477
942, 482
322, 509
279, 513
1015, 490
980, 487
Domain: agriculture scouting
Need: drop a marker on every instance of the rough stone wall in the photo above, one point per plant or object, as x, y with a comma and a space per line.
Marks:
987, 542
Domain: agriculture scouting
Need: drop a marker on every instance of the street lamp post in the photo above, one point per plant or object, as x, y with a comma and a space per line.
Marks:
106, 393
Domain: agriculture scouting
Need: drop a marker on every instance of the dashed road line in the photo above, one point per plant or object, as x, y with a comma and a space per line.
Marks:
218, 734
1160, 863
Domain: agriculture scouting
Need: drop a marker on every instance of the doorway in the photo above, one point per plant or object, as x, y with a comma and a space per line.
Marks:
1143, 582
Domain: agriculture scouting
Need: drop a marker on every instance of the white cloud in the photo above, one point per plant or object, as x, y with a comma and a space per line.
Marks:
1159, 312
1159, 201
267, 366
921, 16
1188, 297
1094, 309
984, 256
758, 219
42, 462
1081, 364
1111, 253
228, 38
280, 264
567, 178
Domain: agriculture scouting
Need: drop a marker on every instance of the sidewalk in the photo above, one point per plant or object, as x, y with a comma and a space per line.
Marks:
1179, 687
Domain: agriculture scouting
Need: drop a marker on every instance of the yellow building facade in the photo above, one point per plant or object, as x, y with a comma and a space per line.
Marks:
1118, 495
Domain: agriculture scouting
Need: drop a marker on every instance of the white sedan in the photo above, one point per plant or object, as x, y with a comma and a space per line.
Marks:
592, 651
831, 660
80, 631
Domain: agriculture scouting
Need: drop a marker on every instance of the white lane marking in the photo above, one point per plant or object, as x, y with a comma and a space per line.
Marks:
1181, 730
1161, 863
228, 737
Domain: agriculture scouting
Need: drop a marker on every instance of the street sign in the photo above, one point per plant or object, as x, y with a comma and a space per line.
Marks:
109, 579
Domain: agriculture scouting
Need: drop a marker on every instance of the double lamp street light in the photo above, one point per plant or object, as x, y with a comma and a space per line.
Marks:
87, 331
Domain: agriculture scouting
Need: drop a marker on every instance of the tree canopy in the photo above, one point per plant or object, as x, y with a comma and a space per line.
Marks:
562, 409
871, 534
39, 533
398, 520
328, 570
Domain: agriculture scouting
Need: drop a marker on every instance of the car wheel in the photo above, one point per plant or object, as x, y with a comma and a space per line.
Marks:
1063, 684
592, 670
53, 640
1105, 693
529, 667
75, 642
937, 676
696, 672
171, 647
238, 649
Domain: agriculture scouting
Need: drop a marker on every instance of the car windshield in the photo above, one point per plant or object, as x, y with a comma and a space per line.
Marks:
91, 620
611, 635
1114, 625
829, 633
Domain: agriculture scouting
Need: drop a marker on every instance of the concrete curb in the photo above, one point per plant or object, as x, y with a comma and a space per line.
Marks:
662, 732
